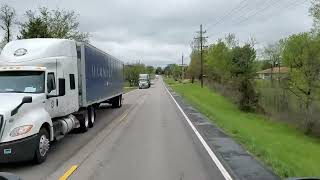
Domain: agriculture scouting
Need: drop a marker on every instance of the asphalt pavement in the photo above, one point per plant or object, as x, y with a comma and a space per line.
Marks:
148, 138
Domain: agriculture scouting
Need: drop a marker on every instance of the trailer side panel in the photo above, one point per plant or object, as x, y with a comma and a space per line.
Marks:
103, 76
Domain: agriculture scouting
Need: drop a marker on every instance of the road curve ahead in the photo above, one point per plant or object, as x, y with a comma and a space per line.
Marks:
151, 141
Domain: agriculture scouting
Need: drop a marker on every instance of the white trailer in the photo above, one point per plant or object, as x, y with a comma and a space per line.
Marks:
49, 87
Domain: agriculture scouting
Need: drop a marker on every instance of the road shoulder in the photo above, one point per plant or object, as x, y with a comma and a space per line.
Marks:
237, 161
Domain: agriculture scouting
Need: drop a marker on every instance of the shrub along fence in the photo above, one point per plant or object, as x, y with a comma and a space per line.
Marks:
280, 103
276, 102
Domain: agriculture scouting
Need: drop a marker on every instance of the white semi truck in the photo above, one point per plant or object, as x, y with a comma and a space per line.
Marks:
49, 87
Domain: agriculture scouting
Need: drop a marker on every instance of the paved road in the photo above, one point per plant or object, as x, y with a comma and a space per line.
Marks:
146, 139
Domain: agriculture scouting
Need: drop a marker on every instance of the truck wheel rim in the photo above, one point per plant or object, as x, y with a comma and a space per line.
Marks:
86, 121
43, 145
92, 116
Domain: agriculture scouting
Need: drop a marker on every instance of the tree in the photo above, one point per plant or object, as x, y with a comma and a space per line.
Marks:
194, 66
301, 53
265, 64
218, 61
272, 54
176, 72
52, 24
243, 73
158, 70
314, 11
231, 40
35, 28
150, 69
7, 18
168, 70
132, 71
194, 69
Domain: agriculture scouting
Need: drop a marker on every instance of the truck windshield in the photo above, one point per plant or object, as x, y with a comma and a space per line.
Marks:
22, 82
143, 79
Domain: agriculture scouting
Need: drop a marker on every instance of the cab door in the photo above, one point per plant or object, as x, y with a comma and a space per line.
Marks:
51, 106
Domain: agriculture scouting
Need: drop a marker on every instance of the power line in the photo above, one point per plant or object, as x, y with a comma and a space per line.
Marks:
257, 8
239, 11
238, 7
265, 8
268, 6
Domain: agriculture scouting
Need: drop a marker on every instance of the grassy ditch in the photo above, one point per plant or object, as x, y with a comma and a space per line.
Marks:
128, 89
282, 147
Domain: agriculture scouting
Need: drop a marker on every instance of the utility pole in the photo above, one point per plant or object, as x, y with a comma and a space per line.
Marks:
202, 40
201, 55
182, 68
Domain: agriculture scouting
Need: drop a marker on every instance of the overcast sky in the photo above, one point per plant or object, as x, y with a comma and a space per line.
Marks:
158, 32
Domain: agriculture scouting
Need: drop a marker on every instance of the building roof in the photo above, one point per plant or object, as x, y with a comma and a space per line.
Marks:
274, 70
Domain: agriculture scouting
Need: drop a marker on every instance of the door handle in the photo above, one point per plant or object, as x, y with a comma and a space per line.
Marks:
57, 102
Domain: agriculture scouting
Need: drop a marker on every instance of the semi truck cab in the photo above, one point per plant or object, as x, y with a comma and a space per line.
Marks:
44, 95
28, 104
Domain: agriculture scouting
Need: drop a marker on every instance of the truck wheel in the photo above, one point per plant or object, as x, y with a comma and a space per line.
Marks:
42, 146
96, 106
120, 101
84, 122
92, 116
117, 102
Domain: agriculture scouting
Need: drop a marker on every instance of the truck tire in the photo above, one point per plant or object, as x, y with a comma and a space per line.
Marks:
84, 122
92, 116
96, 106
42, 147
117, 102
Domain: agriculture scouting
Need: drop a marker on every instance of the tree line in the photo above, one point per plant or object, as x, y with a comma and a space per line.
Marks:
226, 62
231, 64
132, 71
42, 23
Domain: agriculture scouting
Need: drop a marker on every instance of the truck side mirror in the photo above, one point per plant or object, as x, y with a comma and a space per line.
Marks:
26, 99
62, 86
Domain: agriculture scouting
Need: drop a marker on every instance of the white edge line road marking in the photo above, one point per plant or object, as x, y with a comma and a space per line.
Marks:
223, 171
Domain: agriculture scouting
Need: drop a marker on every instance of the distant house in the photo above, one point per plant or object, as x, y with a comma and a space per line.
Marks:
276, 73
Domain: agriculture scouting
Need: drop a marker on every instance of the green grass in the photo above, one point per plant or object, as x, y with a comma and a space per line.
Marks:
128, 89
286, 150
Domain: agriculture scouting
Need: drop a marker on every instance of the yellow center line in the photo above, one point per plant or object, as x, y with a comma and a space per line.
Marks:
68, 173
74, 167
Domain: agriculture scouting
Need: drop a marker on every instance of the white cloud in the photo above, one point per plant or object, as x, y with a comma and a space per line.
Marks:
158, 32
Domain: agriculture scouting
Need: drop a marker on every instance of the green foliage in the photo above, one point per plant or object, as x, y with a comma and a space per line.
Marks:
177, 72
218, 62
243, 73
289, 152
302, 54
132, 71
194, 66
150, 70
227, 63
159, 70
173, 70
264, 65
242, 63
52, 24
35, 28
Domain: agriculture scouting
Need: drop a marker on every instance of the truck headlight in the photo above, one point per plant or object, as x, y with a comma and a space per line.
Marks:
20, 130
